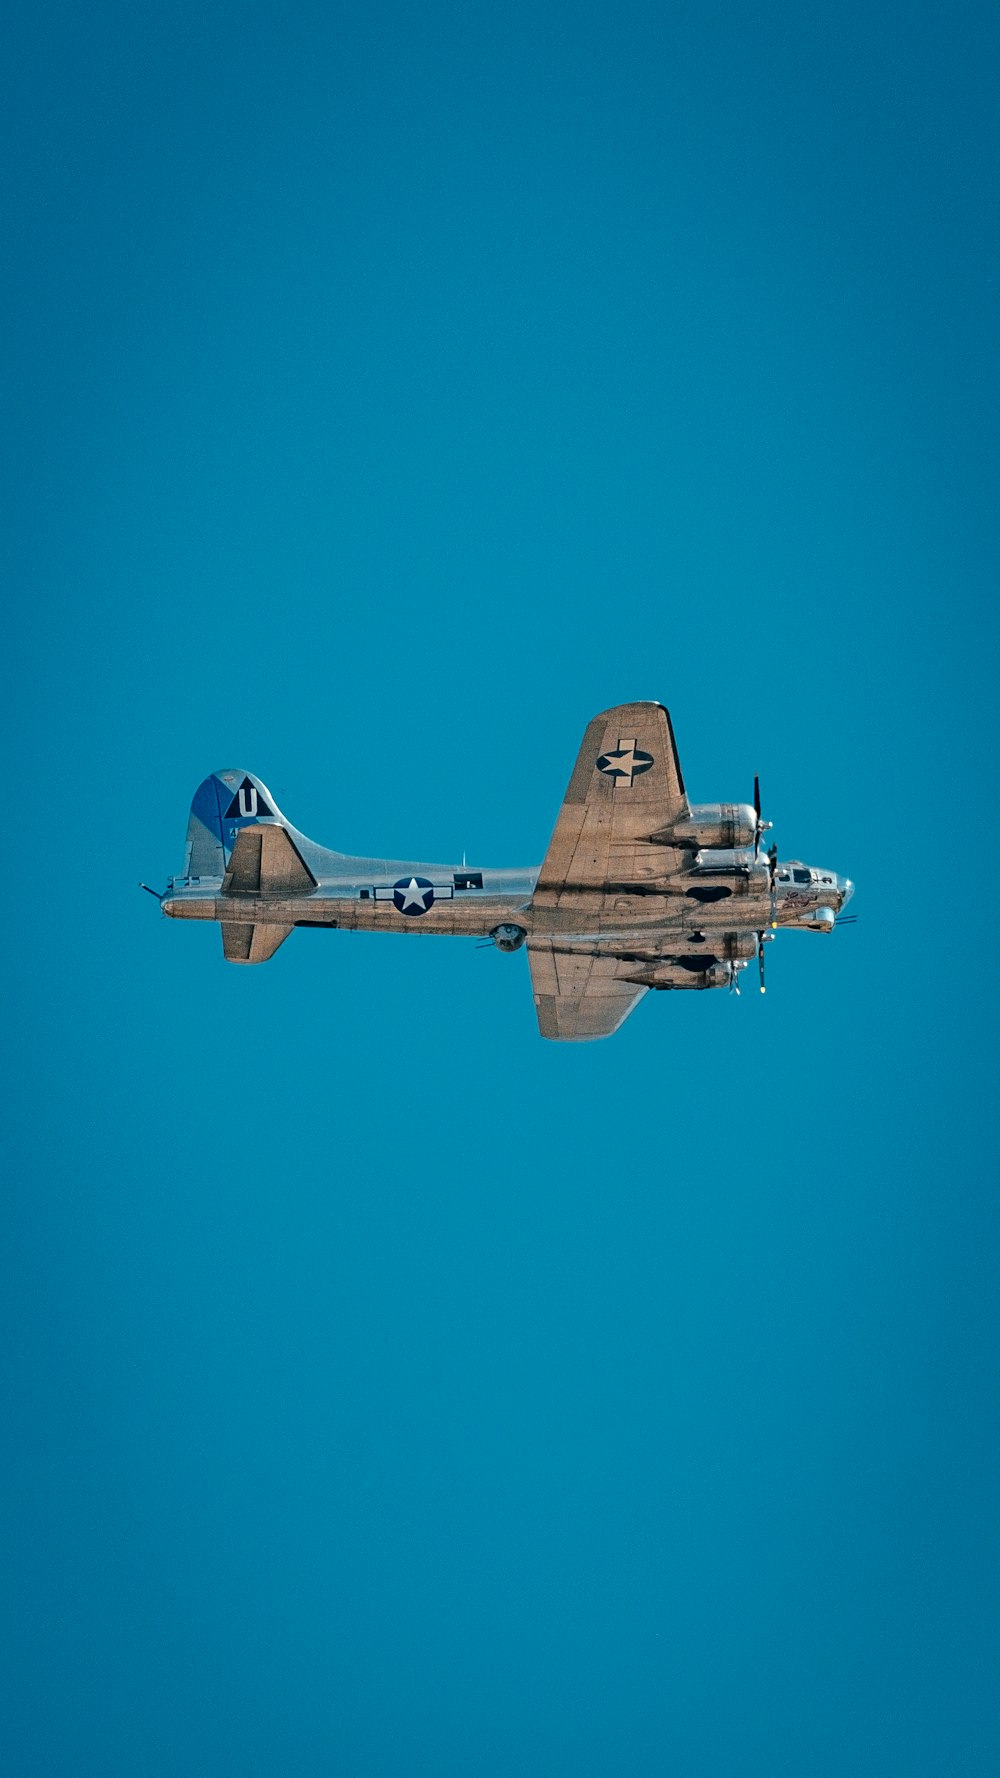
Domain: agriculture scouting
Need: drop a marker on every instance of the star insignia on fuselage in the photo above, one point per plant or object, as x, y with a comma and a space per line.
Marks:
624, 763
412, 897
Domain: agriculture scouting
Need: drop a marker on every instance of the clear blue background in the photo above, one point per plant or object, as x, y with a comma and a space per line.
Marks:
390, 387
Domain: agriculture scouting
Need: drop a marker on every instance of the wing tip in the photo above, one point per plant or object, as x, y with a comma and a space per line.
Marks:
645, 705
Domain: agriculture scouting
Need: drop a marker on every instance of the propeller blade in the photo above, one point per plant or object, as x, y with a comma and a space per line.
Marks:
772, 865
757, 829
760, 960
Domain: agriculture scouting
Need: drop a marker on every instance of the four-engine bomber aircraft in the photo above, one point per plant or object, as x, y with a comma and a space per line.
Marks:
639, 889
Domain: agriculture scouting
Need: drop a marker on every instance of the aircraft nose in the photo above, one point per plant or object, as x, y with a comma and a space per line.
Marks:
846, 889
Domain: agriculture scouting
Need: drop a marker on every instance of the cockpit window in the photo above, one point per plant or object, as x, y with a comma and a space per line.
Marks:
800, 876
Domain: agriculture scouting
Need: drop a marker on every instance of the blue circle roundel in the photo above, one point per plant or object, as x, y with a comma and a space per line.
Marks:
412, 896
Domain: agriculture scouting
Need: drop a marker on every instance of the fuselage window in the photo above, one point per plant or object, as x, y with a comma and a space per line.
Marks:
782, 876
801, 876
468, 879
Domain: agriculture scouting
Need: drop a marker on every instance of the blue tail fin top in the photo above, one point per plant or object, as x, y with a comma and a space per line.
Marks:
223, 804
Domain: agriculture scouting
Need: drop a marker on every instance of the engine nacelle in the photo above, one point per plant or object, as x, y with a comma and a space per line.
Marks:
734, 944
685, 972
718, 975
731, 861
730, 945
725, 825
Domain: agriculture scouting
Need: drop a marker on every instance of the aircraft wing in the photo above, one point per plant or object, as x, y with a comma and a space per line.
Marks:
587, 987
580, 996
626, 787
611, 844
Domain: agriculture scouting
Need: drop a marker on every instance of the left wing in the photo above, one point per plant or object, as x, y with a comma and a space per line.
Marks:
625, 793
579, 996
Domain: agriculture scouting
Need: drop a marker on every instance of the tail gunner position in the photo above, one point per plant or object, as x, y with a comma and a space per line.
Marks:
639, 888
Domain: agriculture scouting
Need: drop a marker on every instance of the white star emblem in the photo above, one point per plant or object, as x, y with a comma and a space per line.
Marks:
413, 896
624, 763
624, 757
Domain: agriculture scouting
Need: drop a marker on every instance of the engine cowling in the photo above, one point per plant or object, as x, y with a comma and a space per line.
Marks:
727, 945
723, 861
684, 972
742, 874
722, 825
734, 944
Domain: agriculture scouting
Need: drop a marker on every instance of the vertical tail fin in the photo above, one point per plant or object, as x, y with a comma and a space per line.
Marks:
223, 805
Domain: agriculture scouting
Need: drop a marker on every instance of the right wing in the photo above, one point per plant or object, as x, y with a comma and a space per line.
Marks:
579, 996
587, 990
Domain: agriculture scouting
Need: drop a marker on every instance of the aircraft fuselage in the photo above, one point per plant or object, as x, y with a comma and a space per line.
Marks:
453, 901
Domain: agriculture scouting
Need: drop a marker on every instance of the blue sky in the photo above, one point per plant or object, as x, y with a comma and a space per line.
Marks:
389, 389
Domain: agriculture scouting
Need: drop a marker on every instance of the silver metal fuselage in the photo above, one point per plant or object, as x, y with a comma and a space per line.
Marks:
730, 893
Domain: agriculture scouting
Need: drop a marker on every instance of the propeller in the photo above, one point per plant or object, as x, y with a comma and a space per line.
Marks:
759, 825
760, 960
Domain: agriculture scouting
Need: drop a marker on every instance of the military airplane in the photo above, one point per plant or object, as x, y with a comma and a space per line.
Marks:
639, 888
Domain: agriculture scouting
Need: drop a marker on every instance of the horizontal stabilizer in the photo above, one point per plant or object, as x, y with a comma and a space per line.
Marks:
251, 944
265, 862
